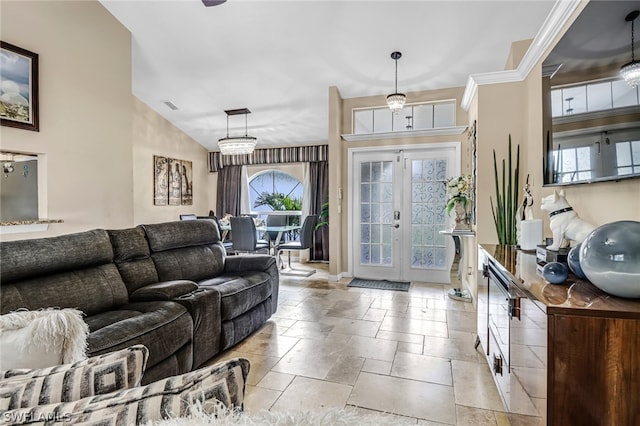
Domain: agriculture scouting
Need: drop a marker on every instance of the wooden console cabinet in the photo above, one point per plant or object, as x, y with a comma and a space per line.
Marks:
567, 354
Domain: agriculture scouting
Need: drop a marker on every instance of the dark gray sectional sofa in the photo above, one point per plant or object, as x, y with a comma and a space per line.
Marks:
168, 286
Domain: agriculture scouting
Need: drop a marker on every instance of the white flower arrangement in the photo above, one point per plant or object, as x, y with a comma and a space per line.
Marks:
459, 189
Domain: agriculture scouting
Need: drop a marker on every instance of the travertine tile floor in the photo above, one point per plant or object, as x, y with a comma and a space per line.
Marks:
407, 354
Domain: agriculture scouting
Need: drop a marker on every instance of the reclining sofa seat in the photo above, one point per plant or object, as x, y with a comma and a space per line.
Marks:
78, 271
133, 259
247, 285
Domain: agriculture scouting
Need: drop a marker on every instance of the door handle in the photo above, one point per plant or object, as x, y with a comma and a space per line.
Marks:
397, 225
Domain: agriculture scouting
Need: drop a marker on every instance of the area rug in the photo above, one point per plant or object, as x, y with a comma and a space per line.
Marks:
380, 284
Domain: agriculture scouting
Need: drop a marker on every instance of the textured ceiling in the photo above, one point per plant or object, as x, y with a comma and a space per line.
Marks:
279, 58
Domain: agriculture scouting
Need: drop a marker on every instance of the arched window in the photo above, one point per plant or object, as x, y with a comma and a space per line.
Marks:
275, 190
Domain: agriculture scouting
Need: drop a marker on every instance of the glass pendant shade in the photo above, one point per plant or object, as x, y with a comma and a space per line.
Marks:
631, 73
631, 70
237, 145
396, 102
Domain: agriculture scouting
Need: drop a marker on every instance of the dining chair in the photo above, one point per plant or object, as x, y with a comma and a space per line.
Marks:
275, 220
227, 244
305, 242
245, 238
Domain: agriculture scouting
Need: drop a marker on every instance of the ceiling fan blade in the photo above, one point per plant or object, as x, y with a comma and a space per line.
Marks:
213, 2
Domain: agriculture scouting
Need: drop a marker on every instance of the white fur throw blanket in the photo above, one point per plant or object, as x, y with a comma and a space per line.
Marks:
320, 417
51, 333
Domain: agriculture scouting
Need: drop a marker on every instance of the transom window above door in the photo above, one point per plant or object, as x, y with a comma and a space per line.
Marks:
414, 117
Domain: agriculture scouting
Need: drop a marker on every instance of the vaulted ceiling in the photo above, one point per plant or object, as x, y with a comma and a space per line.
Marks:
279, 58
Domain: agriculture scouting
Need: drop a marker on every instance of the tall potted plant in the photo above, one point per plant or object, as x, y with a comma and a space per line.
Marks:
506, 206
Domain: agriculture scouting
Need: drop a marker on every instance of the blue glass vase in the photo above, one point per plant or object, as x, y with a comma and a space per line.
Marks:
610, 258
573, 259
555, 272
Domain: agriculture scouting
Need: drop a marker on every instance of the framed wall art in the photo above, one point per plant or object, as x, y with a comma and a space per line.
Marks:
160, 181
172, 182
18, 87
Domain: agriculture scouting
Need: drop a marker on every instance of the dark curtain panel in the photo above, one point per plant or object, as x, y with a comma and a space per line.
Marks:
229, 187
319, 191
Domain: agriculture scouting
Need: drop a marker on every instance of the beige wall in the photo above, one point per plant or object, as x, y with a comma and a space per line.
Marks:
500, 113
516, 108
85, 112
96, 140
340, 118
154, 135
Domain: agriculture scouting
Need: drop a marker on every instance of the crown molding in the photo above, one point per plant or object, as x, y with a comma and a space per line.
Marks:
560, 13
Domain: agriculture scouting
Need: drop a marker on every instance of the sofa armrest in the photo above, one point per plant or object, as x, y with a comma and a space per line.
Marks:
257, 262
166, 290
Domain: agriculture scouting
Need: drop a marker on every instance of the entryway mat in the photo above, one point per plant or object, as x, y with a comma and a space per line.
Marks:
380, 284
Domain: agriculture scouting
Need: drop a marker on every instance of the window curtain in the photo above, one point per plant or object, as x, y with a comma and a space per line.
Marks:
229, 191
318, 184
245, 204
306, 190
295, 154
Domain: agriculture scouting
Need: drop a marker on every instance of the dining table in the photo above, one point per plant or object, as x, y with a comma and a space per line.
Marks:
280, 230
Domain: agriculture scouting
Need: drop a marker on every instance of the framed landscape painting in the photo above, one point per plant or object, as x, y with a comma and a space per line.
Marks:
18, 87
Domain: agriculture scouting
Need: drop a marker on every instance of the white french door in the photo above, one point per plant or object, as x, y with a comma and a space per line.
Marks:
398, 211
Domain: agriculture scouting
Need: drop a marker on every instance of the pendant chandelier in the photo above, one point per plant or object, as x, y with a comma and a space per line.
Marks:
631, 70
237, 145
396, 100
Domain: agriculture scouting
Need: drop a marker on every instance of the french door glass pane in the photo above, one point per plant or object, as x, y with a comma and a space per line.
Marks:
376, 212
428, 248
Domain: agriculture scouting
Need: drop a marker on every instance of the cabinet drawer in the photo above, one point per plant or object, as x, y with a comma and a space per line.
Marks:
512, 393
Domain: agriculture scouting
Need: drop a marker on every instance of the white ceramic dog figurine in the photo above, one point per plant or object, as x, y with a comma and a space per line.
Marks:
564, 222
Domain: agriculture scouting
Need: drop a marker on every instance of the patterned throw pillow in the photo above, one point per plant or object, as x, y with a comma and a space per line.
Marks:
97, 375
172, 397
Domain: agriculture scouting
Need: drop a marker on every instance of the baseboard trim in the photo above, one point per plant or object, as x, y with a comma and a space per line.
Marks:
341, 275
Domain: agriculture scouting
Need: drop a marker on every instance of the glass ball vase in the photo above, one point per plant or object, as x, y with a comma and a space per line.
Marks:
610, 258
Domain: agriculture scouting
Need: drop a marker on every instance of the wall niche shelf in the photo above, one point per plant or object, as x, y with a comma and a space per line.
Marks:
26, 225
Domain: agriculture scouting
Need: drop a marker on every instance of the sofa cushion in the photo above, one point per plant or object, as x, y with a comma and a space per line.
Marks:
45, 256
186, 233
90, 290
163, 327
208, 387
97, 375
240, 327
132, 256
42, 338
239, 293
189, 263
186, 250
